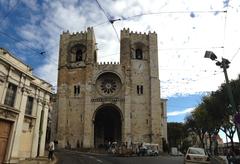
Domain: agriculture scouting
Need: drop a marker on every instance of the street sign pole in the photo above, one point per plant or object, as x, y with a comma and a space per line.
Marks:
230, 95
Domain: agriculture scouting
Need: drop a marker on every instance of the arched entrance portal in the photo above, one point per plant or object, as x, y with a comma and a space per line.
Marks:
107, 126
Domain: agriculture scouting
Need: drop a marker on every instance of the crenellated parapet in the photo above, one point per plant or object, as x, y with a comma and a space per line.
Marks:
108, 63
126, 33
87, 34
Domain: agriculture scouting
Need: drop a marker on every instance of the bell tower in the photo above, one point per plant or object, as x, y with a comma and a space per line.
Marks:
77, 58
139, 56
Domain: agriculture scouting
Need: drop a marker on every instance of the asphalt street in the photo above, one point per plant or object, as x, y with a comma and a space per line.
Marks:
65, 157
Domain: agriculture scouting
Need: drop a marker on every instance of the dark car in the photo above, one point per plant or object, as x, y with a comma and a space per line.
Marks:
142, 151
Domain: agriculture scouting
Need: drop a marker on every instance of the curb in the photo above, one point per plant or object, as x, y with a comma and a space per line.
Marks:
86, 153
39, 159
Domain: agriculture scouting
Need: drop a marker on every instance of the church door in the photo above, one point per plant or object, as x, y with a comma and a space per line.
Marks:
107, 126
5, 128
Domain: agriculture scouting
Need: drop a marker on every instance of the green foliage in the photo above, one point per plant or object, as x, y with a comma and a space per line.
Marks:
213, 113
176, 133
185, 145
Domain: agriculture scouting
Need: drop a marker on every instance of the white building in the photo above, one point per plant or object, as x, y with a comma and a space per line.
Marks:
24, 106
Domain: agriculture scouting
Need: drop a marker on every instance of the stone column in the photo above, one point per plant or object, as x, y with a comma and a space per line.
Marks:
3, 90
88, 110
21, 101
155, 113
126, 127
62, 112
3, 87
87, 123
44, 129
38, 107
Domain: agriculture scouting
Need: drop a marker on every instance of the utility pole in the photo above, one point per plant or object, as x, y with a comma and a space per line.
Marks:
224, 64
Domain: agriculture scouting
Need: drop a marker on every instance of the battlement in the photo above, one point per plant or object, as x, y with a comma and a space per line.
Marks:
108, 63
89, 33
89, 30
130, 34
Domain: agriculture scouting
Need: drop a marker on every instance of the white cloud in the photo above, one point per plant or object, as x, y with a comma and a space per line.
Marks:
182, 38
32, 4
182, 112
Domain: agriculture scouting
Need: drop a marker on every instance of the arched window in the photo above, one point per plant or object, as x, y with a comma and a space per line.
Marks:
79, 55
138, 53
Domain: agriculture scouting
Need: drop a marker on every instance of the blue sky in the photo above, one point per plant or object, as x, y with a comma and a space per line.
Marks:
180, 106
30, 29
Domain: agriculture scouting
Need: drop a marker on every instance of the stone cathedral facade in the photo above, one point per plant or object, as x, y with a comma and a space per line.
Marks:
101, 102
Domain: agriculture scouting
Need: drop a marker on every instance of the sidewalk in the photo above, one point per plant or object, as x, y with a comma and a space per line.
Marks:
39, 160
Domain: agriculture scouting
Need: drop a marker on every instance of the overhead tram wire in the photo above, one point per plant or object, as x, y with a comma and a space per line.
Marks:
188, 48
171, 12
146, 14
9, 12
43, 53
224, 33
111, 21
234, 55
16, 40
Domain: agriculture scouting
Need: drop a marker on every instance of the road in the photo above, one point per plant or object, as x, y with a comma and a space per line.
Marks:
81, 158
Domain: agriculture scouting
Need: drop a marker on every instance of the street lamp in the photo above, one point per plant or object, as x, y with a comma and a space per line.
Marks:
224, 64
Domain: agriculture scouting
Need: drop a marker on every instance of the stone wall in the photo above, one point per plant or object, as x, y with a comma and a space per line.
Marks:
141, 112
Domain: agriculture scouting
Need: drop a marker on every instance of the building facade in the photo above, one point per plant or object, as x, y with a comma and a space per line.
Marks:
164, 119
24, 106
102, 102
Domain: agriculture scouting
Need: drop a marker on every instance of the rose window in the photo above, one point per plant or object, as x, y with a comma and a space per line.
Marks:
108, 84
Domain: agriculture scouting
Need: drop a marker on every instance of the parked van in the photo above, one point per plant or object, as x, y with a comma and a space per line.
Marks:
148, 149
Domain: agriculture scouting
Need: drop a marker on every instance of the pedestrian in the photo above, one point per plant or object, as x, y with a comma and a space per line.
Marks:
50, 150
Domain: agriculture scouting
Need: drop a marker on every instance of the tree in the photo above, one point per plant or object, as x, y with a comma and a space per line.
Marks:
201, 122
176, 133
214, 119
213, 113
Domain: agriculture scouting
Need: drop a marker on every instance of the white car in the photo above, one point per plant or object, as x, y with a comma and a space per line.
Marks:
196, 155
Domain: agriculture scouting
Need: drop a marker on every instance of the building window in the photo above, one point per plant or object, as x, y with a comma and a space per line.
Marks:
138, 53
79, 55
76, 90
139, 89
10, 95
29, 106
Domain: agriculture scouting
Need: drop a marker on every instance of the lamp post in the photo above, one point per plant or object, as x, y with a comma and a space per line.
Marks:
224, 64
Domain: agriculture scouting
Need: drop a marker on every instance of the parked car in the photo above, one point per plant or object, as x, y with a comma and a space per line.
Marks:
148, 149
152, 149
142, 151
196, 155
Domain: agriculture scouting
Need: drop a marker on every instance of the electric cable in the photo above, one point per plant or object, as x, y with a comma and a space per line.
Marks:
42, 53
111, 21
9, 12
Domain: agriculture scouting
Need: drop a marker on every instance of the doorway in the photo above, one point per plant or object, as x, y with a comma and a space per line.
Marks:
5, 128
107, 126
